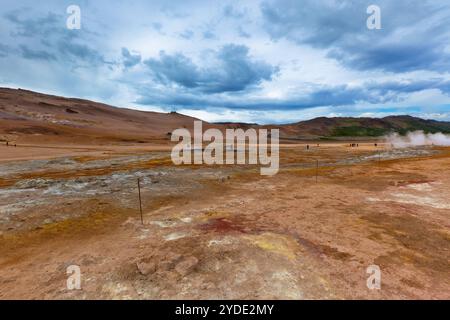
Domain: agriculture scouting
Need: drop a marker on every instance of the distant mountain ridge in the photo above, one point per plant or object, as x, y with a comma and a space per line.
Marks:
363, 127
35, 117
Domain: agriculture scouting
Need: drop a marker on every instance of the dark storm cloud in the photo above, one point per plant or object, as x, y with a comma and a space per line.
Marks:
79, 53
231, 12
36, 26
333, 96
130, 60
4, 50
409, 86
414, 34
330, 96
46, 37
235, 70
198, 68
28, 53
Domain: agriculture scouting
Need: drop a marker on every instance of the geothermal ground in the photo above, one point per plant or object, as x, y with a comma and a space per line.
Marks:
224, 232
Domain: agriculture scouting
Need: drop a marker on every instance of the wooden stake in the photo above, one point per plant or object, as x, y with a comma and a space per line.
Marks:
140, 202
317, 169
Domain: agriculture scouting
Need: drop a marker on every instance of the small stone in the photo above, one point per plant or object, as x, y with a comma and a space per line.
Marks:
146, 268
186, 266
169, 260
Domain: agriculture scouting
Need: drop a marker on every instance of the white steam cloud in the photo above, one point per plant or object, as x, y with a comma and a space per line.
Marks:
418, 138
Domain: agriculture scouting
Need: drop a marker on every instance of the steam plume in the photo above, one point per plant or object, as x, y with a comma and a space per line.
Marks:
418, 138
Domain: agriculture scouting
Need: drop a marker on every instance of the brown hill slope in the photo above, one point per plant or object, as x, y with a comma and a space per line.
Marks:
30, 117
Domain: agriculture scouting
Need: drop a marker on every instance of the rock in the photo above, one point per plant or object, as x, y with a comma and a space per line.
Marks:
208, 286
169, 260
186, 266
146, 268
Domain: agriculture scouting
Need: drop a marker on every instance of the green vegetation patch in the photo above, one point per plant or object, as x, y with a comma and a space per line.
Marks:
357, 131
427, 128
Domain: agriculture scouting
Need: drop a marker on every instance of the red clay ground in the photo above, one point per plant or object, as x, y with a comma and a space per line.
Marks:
226, 232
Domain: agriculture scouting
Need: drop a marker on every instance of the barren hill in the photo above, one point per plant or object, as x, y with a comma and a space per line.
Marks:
31, 117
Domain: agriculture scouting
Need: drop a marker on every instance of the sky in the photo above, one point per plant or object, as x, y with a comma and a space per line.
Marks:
248, 61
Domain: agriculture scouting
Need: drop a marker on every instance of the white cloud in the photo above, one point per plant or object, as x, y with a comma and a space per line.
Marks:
313, 80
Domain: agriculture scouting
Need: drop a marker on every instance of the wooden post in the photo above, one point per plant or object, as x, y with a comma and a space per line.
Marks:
140, 202
317, 169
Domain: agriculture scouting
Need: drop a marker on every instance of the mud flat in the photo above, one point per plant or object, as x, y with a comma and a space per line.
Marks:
226, 232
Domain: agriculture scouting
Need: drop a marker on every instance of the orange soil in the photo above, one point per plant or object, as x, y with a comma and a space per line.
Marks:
289, 238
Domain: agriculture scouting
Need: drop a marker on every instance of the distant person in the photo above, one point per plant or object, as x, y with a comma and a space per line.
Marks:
307, 147
7, 143
376, 145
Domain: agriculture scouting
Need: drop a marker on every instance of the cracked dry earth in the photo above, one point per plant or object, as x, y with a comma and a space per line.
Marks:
228, 233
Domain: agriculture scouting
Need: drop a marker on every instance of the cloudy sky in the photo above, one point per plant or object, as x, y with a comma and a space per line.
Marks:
251, 61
